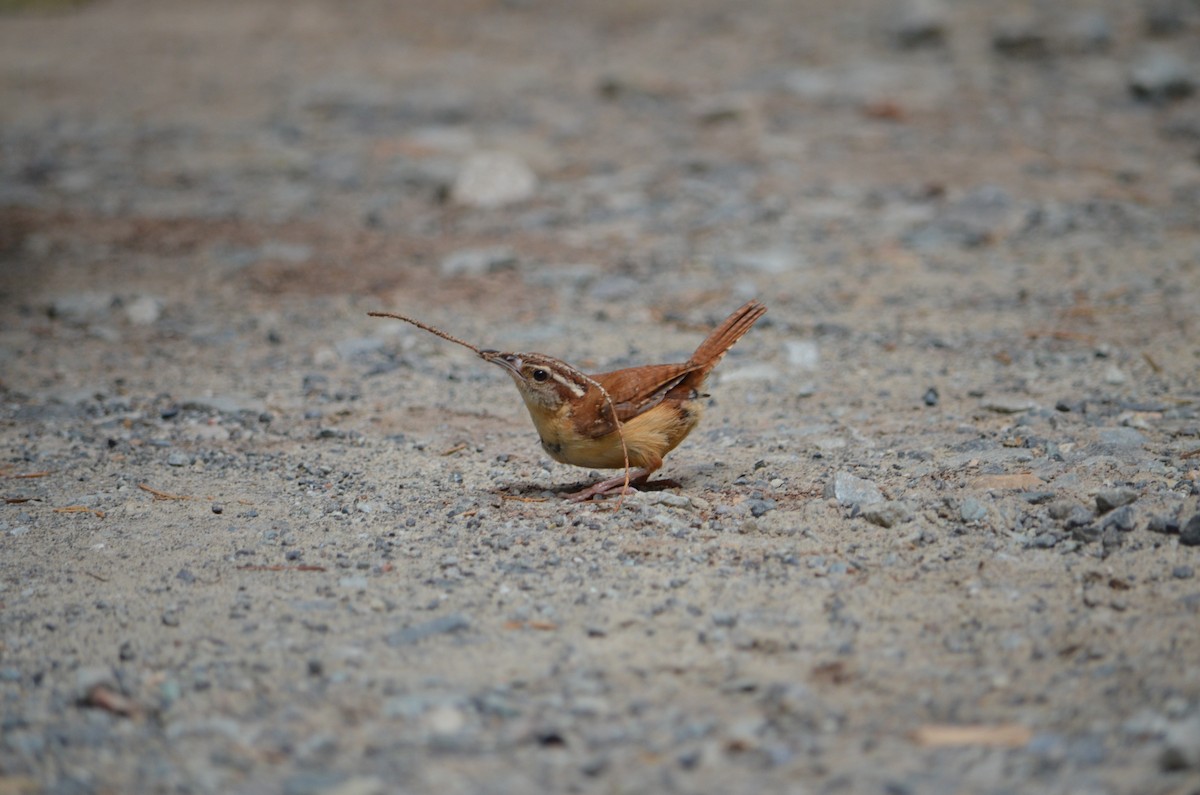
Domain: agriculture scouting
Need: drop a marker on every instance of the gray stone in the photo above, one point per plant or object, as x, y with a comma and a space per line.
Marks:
803, 354
920, 23
478, 261
1167, 525
1020, 36
1007, 404
145, 310
887, 514
758, 506
82, 307
1164, 17
1181, 749
1110, 499
279, 251
357, 347
1077, 517
443, 625
1161, 76
1189, 534
1045, 540
972, 510
313, 783
1088, 32
1122, 519
494, 179
223, 404
850, 490
1121, 437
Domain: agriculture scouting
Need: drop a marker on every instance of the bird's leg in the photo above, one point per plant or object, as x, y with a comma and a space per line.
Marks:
637, 478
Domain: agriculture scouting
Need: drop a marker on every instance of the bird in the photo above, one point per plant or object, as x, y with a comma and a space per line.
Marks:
621, 419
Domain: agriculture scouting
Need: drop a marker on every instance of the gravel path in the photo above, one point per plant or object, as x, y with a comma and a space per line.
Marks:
937, 533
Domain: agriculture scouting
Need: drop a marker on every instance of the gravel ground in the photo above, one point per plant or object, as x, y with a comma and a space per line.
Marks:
938, 532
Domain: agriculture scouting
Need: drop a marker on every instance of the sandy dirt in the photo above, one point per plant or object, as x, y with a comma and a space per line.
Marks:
937, 532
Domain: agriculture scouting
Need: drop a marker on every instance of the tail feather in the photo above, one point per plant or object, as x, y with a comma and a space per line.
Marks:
723, 337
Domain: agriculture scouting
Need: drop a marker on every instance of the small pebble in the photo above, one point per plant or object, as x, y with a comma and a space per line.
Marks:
920, 23
931, 397
1164, 17
1045, 540
178, 459
1110, 499
1161, 76
1078, 516
887, 514
758, 507
1009, 405
478, 261
1183, 572
1166, 525
849, 490
1189, 534
1020, 37
218, 508
1122, 519
443, 625
493, 179
972, 510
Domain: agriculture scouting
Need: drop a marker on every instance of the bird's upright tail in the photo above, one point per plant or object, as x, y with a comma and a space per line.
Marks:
725, 335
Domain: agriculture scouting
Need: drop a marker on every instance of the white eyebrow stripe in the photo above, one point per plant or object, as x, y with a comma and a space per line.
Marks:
575, 388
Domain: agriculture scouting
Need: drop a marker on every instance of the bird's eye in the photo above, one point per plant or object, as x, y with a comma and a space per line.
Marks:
540, 375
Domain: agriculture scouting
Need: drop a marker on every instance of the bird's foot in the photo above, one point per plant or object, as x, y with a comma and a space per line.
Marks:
609, 486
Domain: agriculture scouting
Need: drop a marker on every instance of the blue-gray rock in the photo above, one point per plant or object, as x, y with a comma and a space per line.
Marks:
313, 783
443, 625
920, 23
478, 261
1045, 540
758, 507
887, 514
357, 347
1078, 516
1088, 32
1161, 76
972, 510
1189, 534
1121, 437
1110, 499
1181, 749
1122, 519
1020, 36
1167, 525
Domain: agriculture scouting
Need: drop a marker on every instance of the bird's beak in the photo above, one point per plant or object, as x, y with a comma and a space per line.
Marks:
509, 361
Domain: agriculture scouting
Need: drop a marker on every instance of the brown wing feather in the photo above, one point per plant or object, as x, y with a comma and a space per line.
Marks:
636, 390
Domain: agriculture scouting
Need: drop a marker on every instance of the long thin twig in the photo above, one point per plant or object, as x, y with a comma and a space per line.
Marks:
281, 567
80, 509
430, 329
162, 495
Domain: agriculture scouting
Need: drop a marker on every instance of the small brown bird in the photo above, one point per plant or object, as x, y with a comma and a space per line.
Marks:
629, 417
